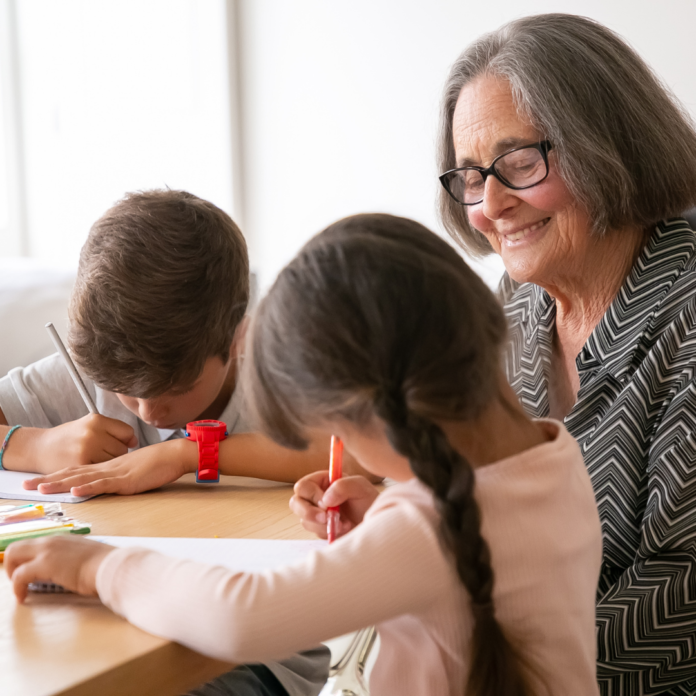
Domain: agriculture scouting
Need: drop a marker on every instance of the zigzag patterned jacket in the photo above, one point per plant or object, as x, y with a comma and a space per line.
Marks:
635, 420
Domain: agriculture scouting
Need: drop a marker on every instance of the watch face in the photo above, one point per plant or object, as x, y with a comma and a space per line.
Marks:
214, 425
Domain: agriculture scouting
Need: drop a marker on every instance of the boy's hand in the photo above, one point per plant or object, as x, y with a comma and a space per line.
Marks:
89, 440
147, 468
62, 559
313, 495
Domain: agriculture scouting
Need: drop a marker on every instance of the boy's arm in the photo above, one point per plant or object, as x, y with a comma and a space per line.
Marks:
247, 454
87, 440
254, 455
56, 433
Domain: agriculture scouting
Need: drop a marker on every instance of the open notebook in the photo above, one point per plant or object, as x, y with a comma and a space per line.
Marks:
11, 489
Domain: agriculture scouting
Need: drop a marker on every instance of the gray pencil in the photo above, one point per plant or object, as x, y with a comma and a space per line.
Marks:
71, 368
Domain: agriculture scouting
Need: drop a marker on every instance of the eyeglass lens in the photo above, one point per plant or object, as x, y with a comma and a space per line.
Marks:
519, 169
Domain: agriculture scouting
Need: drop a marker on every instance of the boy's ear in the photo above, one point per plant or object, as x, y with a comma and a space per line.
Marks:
237, 347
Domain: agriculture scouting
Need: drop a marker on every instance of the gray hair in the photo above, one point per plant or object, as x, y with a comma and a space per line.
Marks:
625, 146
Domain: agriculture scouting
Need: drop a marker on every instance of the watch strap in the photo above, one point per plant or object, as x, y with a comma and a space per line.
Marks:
208, 465
208, 441
208, 471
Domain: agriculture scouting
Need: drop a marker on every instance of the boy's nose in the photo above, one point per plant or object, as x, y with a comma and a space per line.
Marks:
153, 412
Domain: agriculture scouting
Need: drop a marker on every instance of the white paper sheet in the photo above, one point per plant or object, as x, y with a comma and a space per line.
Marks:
11, 488
250, 555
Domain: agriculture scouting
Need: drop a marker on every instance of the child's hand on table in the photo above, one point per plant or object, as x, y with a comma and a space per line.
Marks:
313, 494
62, 559
142, 470
248, 454
88, 440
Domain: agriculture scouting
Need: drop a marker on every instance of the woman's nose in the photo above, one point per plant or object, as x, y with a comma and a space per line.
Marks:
497, 199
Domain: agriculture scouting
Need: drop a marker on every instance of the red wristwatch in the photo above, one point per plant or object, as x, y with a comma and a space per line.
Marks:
207, 433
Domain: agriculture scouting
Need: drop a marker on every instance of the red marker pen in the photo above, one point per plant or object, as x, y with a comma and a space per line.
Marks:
335, 473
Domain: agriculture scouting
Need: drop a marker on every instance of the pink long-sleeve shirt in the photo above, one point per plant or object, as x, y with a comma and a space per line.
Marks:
541, 523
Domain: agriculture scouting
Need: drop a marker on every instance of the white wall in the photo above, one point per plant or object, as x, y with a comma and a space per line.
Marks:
116, 96
340, 101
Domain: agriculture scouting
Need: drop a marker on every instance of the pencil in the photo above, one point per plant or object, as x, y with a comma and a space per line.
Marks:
335, 473
71, 368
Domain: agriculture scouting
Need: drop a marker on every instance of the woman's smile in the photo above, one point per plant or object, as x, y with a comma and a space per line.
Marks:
523, 235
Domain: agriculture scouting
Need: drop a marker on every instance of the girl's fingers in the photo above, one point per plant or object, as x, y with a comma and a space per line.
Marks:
28, 572
307, 511
70, 562
18, 553
312, 487
344, 526
318, 529
349, 488
25, 563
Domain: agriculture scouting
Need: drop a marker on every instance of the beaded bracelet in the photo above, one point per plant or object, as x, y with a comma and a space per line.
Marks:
6, 440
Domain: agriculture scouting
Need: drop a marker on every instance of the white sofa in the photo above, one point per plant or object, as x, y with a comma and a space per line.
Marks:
32, 292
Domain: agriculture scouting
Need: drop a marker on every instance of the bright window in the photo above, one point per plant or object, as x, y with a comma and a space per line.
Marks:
116, 96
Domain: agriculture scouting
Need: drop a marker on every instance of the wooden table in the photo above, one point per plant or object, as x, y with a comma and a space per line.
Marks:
82, 649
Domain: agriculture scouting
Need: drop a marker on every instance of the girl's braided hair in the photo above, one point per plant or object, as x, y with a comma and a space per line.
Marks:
377, 316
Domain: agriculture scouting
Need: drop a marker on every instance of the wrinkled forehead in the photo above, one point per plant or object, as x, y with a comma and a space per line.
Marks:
486, 122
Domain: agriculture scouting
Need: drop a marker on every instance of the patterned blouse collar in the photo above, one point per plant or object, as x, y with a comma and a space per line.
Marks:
624, 328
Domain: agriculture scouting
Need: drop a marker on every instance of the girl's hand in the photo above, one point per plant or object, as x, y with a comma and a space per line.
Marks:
61, 559
313, 495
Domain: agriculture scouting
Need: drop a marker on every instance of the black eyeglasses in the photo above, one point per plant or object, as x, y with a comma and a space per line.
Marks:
517, 169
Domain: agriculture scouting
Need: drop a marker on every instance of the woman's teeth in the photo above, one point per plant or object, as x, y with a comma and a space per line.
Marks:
523, 233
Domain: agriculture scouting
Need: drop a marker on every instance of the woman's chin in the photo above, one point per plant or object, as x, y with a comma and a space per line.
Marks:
521, 267
524, 257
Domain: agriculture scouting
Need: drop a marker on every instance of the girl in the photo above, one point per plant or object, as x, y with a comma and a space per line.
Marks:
479, 567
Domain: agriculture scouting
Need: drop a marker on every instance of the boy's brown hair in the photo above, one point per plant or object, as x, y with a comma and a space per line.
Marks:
162, 285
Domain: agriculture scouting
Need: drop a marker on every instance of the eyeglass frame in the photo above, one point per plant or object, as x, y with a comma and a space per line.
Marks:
542, 147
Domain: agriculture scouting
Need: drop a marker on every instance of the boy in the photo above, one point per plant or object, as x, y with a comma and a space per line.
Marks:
156, 326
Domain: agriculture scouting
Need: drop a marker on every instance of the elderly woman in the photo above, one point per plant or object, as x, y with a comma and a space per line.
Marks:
563, 153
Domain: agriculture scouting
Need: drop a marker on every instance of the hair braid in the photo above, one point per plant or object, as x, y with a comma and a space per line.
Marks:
451, 478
